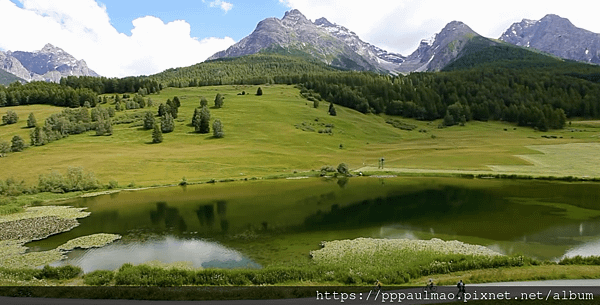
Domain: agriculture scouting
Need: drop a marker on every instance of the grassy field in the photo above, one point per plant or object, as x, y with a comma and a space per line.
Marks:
271, 135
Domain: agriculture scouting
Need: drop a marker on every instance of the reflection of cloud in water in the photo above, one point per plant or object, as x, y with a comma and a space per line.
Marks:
586, 249
168, 250
499, 249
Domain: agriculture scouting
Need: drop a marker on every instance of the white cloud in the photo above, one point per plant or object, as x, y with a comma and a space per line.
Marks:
82, 28
399, 25
225, 6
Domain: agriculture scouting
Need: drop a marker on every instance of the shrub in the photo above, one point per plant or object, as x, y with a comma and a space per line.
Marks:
17, 144
343, 169
60, 273
10, 117
113, 184
218, 129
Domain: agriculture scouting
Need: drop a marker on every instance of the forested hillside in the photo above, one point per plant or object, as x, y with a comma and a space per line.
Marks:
489, 82
251, 70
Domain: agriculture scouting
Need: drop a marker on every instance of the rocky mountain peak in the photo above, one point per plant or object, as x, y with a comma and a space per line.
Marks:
294, 17
48, 64
49, 48
436, 52
323, 22
555, 35
456, 28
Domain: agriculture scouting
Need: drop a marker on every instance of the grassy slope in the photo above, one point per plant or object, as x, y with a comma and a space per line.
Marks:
261, 140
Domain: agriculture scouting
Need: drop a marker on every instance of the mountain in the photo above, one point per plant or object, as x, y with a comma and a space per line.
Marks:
7, 78
387, 60
13, 66
435, 53
557, 36
48, 64
330, 43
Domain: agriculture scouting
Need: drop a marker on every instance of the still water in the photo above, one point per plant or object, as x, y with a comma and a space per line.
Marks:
219, 225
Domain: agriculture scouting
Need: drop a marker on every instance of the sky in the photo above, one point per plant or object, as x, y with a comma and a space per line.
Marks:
120, 38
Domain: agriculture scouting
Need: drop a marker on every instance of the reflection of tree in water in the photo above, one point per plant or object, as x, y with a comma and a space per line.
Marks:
222, 208
417, 207
169, 216
224, 225
206, 214
341, 182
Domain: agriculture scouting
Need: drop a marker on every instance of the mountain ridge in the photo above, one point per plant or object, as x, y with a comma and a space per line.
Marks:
50, 63
555, 35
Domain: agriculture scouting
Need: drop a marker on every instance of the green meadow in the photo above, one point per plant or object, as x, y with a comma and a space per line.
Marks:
281, 134
277, 134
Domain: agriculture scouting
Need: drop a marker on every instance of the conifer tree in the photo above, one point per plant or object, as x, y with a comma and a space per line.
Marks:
166, 123
218, 129
148, 120
259, 91
204, 124
38, 137
31, 121
157, 136
219, 100
332, 109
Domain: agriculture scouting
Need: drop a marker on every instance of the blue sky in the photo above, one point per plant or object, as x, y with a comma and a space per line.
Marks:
134, 37
206, 21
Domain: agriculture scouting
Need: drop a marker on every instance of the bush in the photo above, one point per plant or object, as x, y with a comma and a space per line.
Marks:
10, 117
113, 184
218, 129
343, 169
98, 278
60, 273
17, 144
75, 180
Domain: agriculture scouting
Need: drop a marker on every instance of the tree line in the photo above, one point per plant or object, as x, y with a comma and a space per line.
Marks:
540, 98
101, 85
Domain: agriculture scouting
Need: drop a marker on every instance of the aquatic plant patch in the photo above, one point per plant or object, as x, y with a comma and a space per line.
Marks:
89, 241
35, 228
36, 212
398, 260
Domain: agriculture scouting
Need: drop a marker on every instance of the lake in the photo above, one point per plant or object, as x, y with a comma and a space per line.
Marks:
249, 224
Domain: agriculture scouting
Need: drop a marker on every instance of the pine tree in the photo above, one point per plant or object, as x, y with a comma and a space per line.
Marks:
218, 129
259, 91
38, 137
157, 136
196, 117
166, 123
204, 125
203, 102
161, 110
219, 100
148, 120
31, 121
332, 109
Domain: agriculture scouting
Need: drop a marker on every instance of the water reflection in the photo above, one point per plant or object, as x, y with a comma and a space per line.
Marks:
167, 216
199, 253
544, 220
